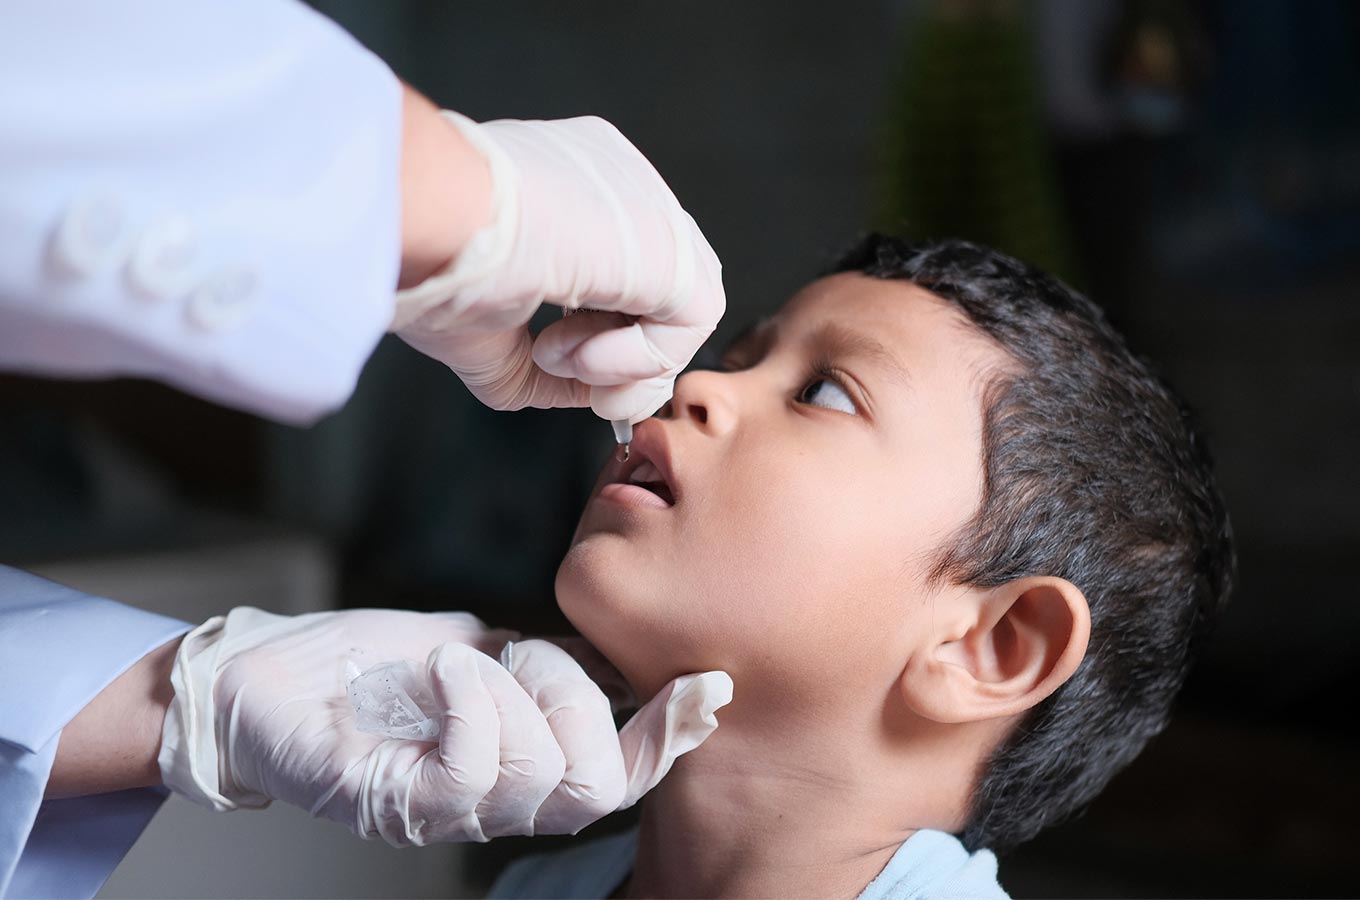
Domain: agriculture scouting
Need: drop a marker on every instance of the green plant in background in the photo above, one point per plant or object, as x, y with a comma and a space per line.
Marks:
965, 151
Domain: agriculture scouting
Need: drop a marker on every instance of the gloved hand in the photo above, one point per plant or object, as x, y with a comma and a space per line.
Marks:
580, 219
261, 713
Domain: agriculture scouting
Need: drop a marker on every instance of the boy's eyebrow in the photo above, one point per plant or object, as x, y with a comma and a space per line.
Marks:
831, 339
835, 340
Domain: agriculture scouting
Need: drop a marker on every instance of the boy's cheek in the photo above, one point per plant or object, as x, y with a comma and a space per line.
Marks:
774, 579
790, 648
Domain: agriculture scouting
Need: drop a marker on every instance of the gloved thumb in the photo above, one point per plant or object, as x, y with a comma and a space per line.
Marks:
678, 719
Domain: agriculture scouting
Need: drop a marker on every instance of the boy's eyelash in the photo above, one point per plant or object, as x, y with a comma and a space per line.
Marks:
823, 367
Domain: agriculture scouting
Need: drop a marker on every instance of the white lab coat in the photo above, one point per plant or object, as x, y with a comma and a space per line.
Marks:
196, 191
200, 192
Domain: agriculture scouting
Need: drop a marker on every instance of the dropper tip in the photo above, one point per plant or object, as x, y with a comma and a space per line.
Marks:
623, 434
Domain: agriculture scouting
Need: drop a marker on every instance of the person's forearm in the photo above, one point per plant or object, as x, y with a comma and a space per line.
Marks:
445, 190
112, 743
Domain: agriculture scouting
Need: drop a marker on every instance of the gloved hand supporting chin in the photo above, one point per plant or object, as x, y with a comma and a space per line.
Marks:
261, 713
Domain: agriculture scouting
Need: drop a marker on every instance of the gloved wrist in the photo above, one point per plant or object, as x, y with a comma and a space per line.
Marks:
188, 758
489, 248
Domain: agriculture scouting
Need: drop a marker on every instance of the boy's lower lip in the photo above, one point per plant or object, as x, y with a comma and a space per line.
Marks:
631, 495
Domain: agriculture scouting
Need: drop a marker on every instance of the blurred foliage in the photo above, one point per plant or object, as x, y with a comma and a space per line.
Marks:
966, 153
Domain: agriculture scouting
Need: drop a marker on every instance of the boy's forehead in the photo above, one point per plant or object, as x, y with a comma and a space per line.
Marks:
911, 323
853, 294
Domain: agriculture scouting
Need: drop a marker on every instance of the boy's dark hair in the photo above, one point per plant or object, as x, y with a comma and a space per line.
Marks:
1092, 472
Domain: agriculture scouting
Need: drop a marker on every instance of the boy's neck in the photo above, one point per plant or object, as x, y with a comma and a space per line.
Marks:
801, 816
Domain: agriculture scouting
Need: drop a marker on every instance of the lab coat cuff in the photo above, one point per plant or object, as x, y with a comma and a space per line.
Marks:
59, 648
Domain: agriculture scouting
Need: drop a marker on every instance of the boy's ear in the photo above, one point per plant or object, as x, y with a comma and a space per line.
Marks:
999, 651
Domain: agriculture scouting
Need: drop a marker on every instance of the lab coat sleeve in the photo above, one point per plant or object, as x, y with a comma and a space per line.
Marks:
58, 649
198, 192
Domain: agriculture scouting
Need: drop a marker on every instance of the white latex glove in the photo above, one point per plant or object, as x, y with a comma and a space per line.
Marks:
261, 713
580, 219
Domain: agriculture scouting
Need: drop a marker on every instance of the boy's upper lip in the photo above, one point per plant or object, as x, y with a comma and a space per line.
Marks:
650, 445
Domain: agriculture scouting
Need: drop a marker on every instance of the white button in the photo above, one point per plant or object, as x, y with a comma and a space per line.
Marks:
90, 235
225, 300
159, 266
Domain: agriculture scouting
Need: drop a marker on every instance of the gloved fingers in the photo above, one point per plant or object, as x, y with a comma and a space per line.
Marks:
631, 368
678, 719
447, 784
644, 337
519, 382
555, 346
599, 670
531, 763
499, 369
633, 402
381, 795
593, 782
610, 348
645, 349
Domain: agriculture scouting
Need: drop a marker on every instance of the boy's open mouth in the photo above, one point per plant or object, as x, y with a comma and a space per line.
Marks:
649, 467
647, 477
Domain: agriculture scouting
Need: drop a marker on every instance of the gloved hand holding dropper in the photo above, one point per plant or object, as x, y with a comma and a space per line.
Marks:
579, 219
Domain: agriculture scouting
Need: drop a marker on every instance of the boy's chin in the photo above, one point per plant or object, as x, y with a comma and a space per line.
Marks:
599, 579
625, 627
589, 584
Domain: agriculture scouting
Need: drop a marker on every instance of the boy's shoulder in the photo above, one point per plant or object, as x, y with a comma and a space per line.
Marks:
933, 865
929, 864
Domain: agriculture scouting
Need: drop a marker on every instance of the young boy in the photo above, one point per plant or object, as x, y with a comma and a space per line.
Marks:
955, 545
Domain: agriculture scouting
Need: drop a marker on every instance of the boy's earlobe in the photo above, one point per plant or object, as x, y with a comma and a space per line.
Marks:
1010, 647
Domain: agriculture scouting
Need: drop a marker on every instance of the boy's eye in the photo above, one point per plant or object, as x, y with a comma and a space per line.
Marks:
824, 391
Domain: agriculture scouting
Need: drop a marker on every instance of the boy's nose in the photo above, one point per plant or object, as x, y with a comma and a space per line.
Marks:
704, 399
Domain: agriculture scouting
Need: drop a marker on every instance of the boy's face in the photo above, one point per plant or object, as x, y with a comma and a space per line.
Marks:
813, 481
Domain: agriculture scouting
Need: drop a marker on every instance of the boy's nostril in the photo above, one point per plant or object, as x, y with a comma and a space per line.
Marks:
699, 413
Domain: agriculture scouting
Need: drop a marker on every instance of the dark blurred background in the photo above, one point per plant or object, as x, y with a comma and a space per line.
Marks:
1195, 166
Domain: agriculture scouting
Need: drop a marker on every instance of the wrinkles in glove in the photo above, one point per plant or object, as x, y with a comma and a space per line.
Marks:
261, 713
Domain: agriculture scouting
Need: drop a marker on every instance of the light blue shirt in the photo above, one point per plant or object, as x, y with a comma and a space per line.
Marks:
58, 649
930, 865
